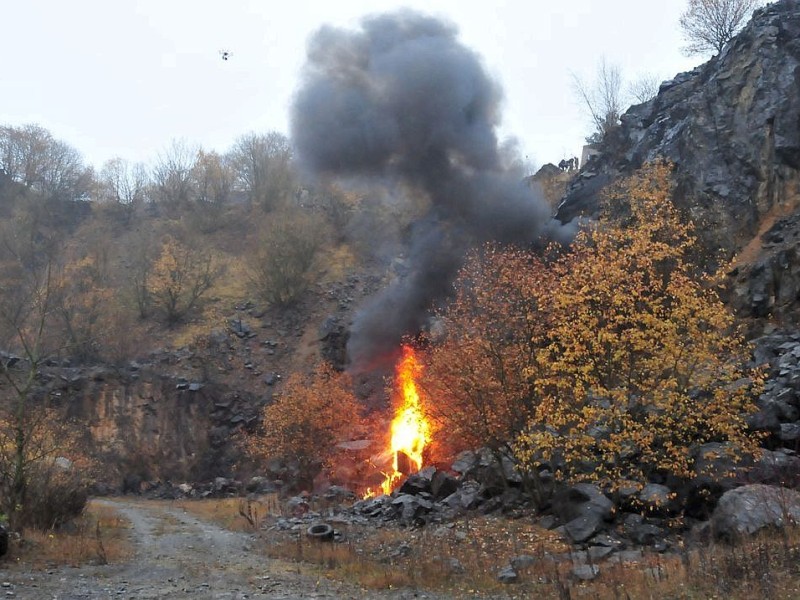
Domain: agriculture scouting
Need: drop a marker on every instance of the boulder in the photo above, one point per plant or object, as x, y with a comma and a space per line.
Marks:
716, 471
522, 561
464, 462
574, 501
584, 526
657, 499
411, 507
415, 484
467, 497
442, 485
750, 508
507, 575
779, 467
585, 572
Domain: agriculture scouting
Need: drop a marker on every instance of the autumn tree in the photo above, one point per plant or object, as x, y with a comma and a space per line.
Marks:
142, 251
708, 25
213, 180
642, 362
306, 421
280, 269
480, 373
31, 435
610, 361
179, 278
81, 305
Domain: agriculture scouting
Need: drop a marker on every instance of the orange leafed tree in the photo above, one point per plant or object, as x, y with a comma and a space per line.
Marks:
306, 421
608, 361
478, 377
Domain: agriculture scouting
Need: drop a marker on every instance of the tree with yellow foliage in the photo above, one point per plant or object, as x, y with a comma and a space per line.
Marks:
179, 278
82, 302
643, 361
616, 355
306, 421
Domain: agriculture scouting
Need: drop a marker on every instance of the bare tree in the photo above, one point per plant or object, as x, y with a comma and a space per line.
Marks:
644, 88
172, 174
123, 182
263, 168
22, 151
710, 24
31, 156
603, 98
25, 310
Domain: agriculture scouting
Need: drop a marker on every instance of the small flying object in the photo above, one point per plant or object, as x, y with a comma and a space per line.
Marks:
225, 54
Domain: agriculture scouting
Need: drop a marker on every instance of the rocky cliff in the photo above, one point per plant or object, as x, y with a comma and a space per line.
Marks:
732, 129
142, 424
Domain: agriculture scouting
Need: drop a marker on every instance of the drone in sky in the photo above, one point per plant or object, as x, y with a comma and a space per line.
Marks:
225, 54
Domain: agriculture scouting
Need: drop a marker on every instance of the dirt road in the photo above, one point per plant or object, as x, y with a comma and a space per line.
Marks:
178, 556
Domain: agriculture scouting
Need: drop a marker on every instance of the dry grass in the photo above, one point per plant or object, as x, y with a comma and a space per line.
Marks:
336, 262
463, 558
234, 514
99, 536
763, 567
229, 289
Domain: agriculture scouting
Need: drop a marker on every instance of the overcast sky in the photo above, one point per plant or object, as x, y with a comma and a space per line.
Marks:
125, 77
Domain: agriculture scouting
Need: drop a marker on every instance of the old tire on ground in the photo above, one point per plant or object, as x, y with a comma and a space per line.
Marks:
321, 531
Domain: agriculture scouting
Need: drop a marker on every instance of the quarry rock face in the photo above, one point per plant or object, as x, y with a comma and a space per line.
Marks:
732, 130
149, 426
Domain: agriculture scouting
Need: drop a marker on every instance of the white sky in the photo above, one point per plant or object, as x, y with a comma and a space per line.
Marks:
125, 77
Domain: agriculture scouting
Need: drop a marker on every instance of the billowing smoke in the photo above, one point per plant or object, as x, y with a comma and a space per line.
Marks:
402, 98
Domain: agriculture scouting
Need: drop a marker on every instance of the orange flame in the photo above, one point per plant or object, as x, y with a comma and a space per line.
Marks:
410, 430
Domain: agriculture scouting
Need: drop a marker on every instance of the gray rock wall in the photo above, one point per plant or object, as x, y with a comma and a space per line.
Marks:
730, 126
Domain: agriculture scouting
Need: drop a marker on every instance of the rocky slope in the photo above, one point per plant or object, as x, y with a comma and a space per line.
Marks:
731, 128
175, 415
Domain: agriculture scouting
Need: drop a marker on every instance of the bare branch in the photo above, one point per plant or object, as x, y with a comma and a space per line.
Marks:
710, 24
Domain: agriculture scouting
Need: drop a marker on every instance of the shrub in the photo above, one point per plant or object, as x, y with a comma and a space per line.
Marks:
306, 421
57, 493
180, 277
281, 267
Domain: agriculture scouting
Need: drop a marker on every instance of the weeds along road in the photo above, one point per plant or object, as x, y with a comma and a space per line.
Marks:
180, 556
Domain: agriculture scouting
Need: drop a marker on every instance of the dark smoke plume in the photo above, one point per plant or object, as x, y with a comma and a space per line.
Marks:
402, 98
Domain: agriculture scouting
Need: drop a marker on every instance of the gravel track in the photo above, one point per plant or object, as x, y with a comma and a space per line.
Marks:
178, 556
